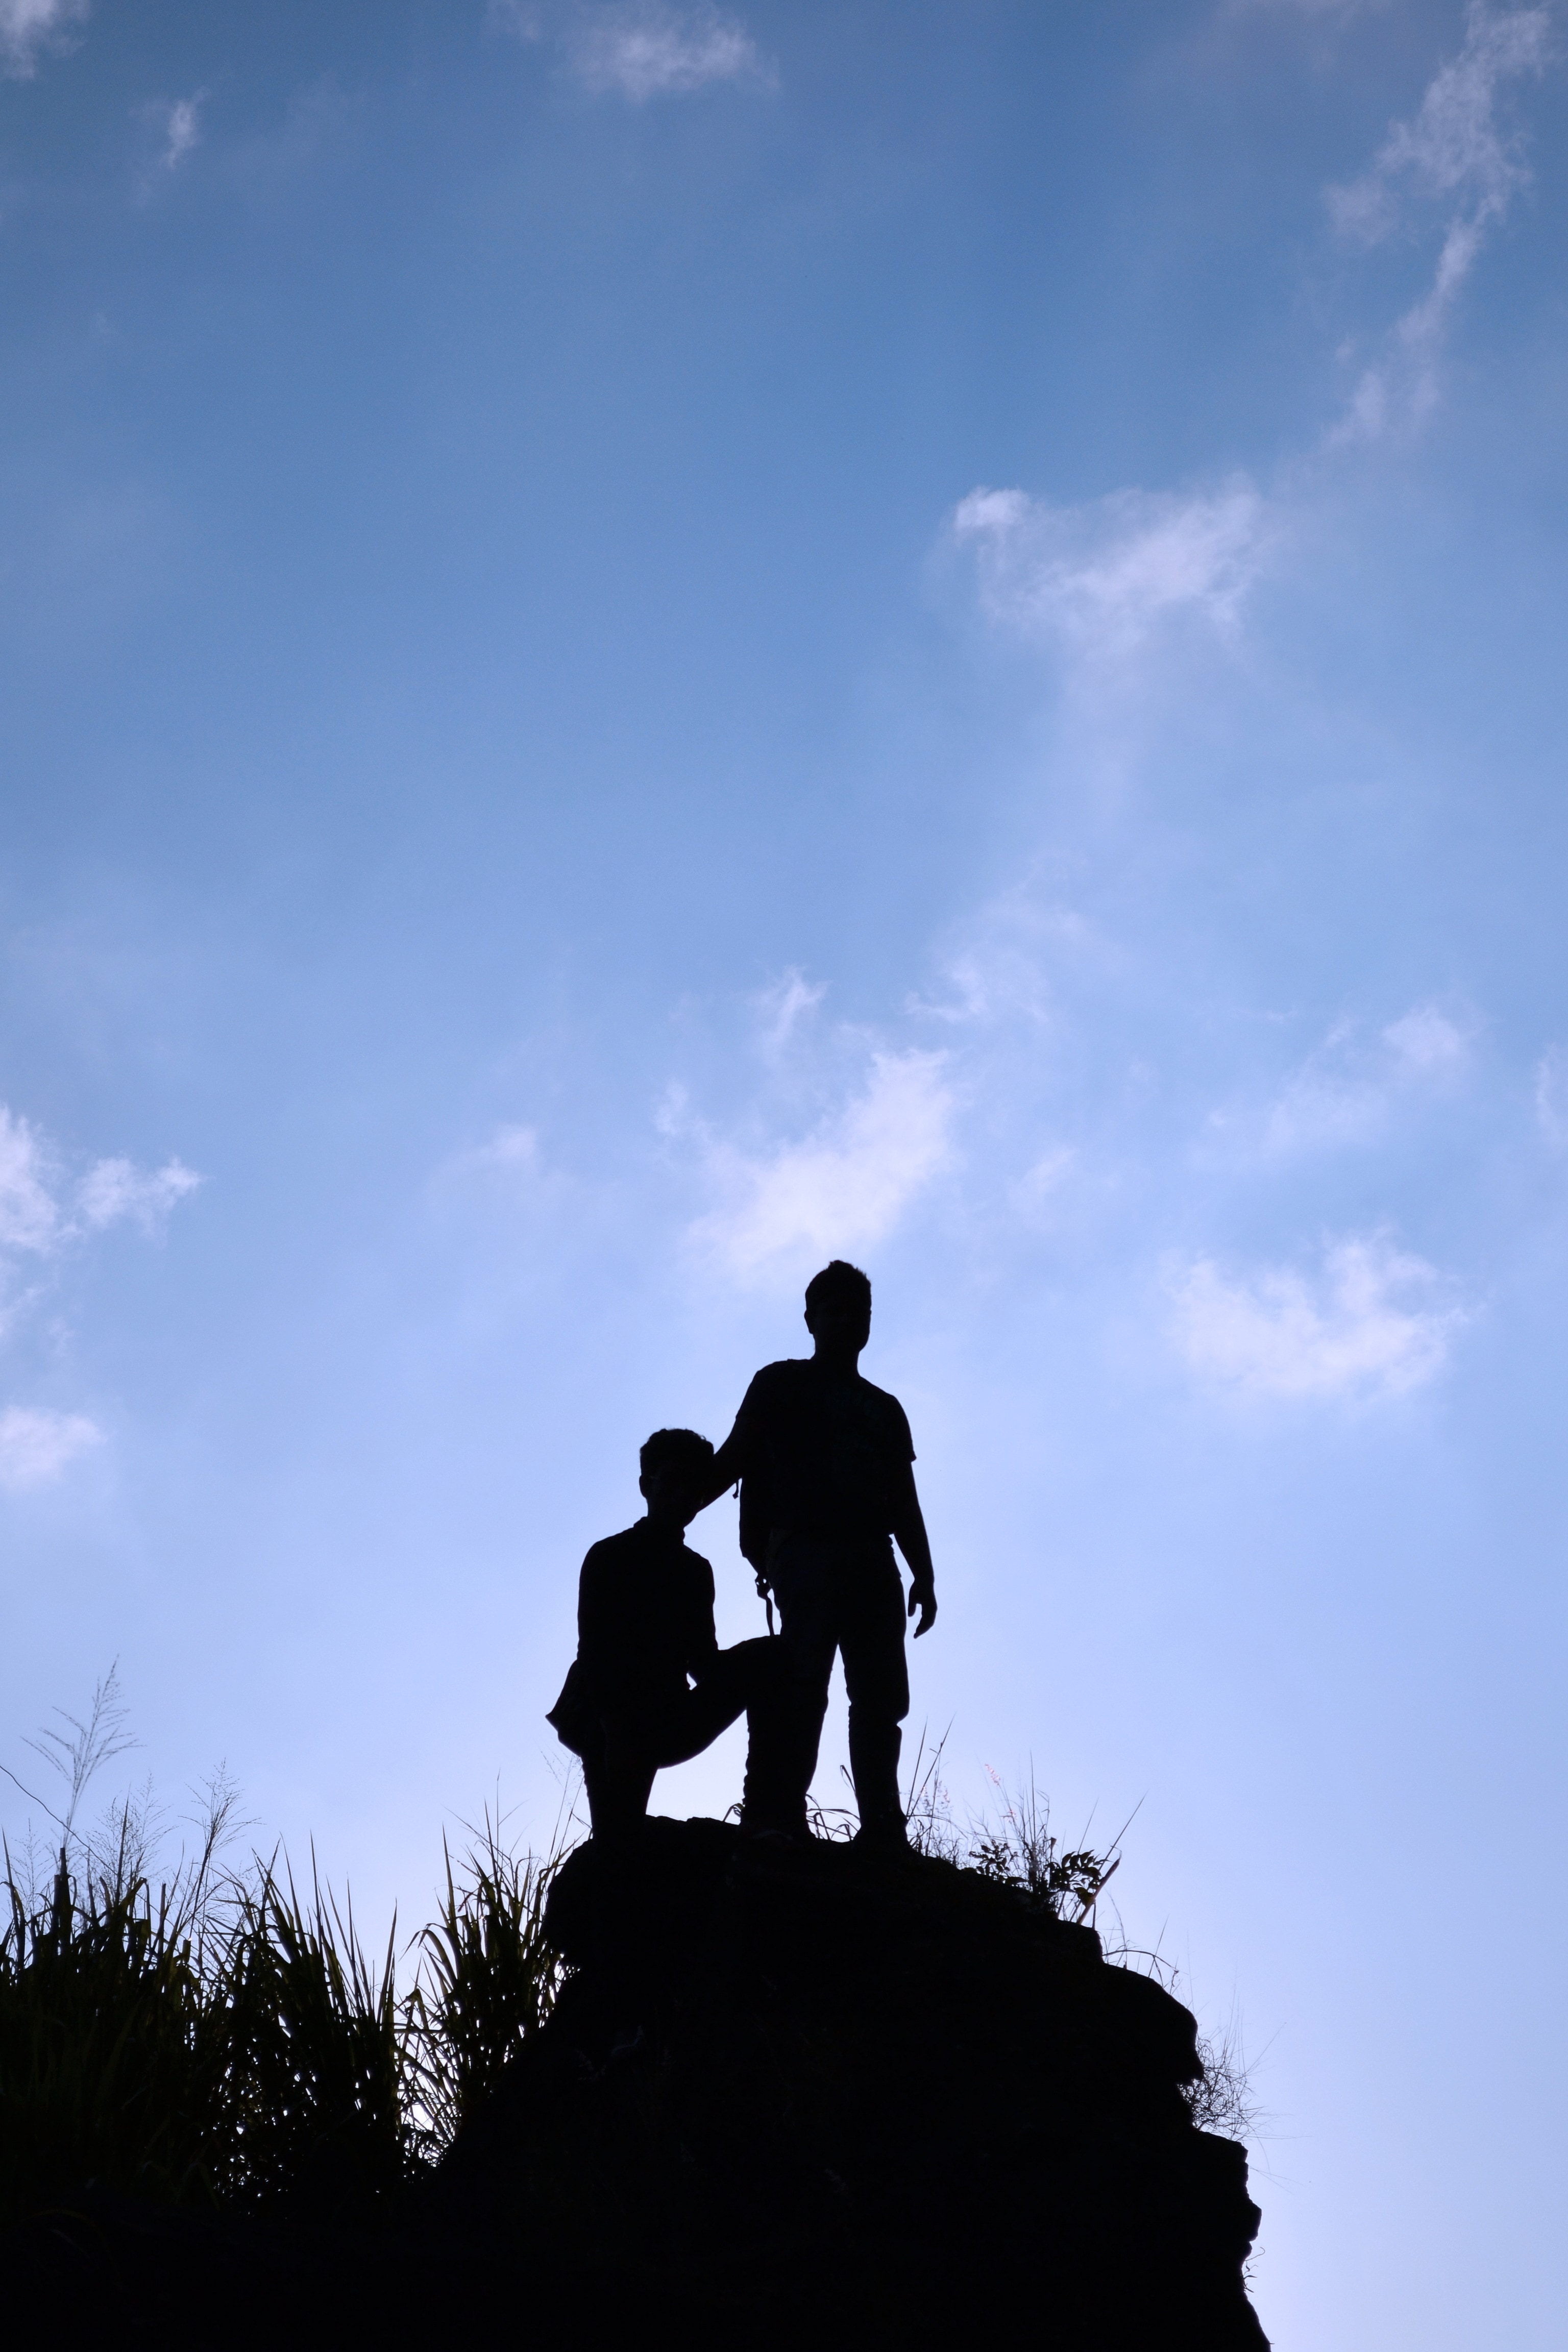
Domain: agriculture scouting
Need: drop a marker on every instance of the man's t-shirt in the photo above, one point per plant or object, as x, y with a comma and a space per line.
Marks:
645, 1620
823, 1453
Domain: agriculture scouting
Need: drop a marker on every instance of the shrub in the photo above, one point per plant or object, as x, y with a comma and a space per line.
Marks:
230, 2041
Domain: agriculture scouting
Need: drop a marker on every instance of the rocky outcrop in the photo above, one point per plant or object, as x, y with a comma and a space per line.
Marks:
806, 2091
786, 2095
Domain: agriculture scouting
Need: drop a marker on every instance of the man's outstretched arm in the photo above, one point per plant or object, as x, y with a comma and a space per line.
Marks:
909, 1534
728, 1465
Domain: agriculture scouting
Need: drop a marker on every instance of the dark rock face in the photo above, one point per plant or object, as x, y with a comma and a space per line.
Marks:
799, 2095
807, 2091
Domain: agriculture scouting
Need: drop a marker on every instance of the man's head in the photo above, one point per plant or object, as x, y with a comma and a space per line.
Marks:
838, 1310
671, 1467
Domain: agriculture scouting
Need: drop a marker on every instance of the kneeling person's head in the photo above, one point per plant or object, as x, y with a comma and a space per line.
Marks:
672, 1464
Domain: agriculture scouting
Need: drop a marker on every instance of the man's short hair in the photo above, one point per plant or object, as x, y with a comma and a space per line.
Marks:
682, 1446
839, 1285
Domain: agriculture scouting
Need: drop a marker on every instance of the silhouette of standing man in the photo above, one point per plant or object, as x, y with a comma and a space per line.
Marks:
825, 1464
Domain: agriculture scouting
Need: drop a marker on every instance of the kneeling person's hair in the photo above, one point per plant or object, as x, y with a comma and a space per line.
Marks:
840, 1285
682, 1447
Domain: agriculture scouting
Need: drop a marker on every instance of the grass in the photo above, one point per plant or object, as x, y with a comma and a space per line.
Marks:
228, 2041
241, 2048
225, 2038
489, 1979
1020, 1850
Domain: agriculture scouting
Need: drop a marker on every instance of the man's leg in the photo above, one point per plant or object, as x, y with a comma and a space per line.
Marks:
803, 1576
773, 1796
875, 1674
748, 1679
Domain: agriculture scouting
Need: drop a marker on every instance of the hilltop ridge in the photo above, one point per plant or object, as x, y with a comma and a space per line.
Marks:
788, 2086
815, 2092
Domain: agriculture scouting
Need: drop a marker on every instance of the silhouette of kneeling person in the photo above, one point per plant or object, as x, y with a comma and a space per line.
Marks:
645, 1634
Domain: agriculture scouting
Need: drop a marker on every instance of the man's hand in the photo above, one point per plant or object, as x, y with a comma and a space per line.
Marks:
909, 1532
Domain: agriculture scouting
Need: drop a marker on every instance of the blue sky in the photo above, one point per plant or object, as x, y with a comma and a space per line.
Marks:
644, 643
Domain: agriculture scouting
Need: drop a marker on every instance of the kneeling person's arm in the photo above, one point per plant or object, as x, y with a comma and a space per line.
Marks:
701, 1633
611, 1668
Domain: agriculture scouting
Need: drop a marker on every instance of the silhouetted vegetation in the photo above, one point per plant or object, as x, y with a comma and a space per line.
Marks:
222, 2038
230, 2040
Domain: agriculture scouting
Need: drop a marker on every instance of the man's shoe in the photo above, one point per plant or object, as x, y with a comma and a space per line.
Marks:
759, 1829
886, 1835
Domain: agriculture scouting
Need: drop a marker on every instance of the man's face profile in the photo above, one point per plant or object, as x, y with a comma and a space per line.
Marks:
841, 1327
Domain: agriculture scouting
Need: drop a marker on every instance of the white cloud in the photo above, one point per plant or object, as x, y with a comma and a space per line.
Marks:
181, 127
42, 1213
1035, 1189
844, 1186
511, 1152
28, 27
1452, 151
1103, 575
1552, 1096
1349, 1086
1427, 1042
29, 1215
35, 1445
1306, 7
39, 1217
779, 1007
1371, 1322
113, 1189
1453, 147
649, 48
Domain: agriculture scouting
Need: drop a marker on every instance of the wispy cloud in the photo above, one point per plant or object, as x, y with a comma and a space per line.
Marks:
113, 1190
511, 1152
1453, 147
648, 50
1305, 8
642, 49
845, 1185
1552, 1096
181, 127
44, 1210
30, 28
1103, 575
36, 1445
1373, 1321
1453, 152
1020, 944
1037, 1188
1427, 1042
782, 1006
1349, 1086
30, 1214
